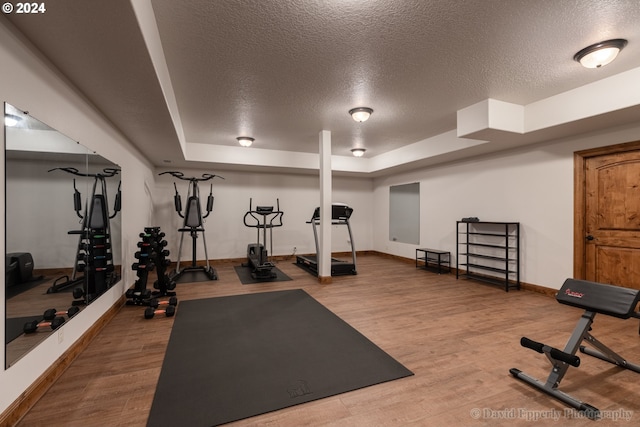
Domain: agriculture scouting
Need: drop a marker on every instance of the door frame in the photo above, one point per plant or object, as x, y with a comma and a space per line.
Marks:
579, 199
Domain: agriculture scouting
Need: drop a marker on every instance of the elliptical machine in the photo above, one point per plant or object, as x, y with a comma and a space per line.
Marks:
262, 218
193, 221
94, 255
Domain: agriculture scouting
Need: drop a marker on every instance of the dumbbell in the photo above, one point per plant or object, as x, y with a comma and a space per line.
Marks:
150, 312
139, 266
145, 255
54, 323
155, 303
170, 284
165, 253
78, 293
146, 244
52, 313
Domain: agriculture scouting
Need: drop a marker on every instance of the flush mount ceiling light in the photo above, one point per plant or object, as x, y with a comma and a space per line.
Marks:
599, 54
245, 141
11, 120
358, 152
360, 114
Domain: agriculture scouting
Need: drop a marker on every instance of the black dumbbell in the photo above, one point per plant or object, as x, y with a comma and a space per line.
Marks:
155, 303
150, 312
138, 266
52, 313
145, 255
146, 244
78, 293
168, 283
31, 327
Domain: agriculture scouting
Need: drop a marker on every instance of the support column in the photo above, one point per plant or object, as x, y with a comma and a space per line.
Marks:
324, 255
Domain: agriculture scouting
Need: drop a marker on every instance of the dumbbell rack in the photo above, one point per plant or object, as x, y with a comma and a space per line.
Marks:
164, 285
95, 260
150, 256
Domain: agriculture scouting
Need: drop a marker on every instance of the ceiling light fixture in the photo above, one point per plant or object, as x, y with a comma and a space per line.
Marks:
358, 152
360, 114
11, 120
599, 54
245, 141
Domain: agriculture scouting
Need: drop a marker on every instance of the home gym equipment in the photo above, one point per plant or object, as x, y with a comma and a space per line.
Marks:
150, 312
594, 298
55, 323
151, 256
262, 218
93, 256
193, 222
340, 214
52, 313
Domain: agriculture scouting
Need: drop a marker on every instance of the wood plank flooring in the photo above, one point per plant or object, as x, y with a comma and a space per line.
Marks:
459, 337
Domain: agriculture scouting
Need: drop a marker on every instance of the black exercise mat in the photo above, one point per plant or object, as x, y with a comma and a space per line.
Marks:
244, 274
235, 357
14, 326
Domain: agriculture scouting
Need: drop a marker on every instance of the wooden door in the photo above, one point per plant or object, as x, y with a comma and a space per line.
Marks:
611, 217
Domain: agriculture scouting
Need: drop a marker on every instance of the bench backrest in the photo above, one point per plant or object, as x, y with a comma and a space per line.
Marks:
612, 300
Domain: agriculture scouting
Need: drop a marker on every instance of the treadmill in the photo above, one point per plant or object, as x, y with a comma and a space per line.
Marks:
340, 214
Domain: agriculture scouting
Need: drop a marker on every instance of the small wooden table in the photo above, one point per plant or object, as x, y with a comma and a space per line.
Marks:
440, 258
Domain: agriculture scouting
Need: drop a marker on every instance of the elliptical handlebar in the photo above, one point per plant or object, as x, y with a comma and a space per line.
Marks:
264, 211
180, 175
107, 172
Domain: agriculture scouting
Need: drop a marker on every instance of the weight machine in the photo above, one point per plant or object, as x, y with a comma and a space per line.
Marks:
94, 255
262, 218
193, 222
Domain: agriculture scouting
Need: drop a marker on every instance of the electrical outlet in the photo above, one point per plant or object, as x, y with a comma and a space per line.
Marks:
60, 335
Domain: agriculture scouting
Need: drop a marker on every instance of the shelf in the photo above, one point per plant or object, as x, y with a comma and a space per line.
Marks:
484, 234
488, 268
488, 245
494, 258
497, 243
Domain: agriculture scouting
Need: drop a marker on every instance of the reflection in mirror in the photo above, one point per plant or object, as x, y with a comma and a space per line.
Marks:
62, 230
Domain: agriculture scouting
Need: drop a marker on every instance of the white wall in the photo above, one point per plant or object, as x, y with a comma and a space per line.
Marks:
226, 234
531, 185
29, 83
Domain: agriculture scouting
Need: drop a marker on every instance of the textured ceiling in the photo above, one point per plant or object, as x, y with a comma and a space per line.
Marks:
280, 71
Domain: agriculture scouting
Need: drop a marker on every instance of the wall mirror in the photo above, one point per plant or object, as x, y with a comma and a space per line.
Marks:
62, 236
404, 213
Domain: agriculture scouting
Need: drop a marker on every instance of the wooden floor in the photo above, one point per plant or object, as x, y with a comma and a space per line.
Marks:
459, 337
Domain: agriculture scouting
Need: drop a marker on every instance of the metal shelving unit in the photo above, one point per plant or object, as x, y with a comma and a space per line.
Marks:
489, 252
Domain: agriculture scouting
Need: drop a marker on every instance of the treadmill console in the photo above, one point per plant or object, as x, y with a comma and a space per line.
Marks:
338, 212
